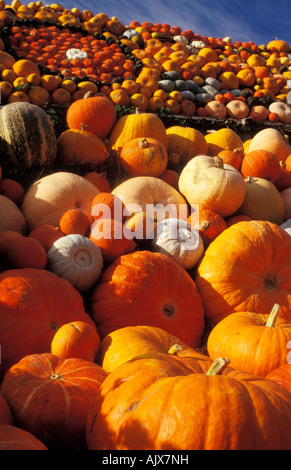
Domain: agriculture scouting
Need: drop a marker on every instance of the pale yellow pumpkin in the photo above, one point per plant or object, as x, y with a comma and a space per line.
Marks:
212, 184
272, 140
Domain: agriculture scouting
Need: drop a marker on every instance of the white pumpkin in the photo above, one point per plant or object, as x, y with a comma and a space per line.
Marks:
287, 226
75, 53
77, 259
178, 240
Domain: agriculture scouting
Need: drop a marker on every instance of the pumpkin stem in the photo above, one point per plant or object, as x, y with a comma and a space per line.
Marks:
218, 366
218, 162
174, 349
143, 143
204, 225
273, 316
55, 376
282, 164
249, 179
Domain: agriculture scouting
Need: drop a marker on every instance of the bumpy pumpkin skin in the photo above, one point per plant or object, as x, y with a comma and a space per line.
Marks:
34, 304
145, 288
152, 408
50, 397
251, 273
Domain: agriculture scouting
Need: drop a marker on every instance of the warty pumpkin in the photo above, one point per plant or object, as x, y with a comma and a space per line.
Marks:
145, 288
34, 304
50, 196
158, 391
30, 133
251, 273
254, 342
212, 184
65, 388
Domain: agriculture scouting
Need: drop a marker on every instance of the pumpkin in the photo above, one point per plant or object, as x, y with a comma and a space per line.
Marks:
254, 342
34, 304
279, 44
282, 109
14, 438
131, 126
100, 180
286, 198
143, 156
171, 177
145, 288
213, 185
231, 157
178, 240
12, 189
107, 205
287, 226
20, 251
124, 344
12, 217
262, 201
224, 139
75, 221
77, 259
186, 142
209, 223
76, 146
65, 388
30, 133
284, 180
95, 114
141, 226
272, 140
159, 389
262, 164
46, 235
281, 375
216, 109
251, 273
49, 197
153, 196
5, 413
76, 339
237, 109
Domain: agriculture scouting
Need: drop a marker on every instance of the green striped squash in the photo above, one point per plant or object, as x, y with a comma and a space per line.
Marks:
29, 132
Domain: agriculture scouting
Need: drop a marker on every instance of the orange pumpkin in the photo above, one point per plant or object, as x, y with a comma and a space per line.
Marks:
46, 235
261, 163
75, 221
144, 156
145, 288
14, 438
20, 251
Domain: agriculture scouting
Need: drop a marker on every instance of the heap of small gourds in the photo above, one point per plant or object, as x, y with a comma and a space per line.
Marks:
52, 55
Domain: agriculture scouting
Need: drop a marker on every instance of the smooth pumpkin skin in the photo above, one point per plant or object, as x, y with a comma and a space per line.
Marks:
14, 438
262, 164
186, 142
251, 273
144, 157
251, 345
34, 304
5, 413
224, 139
272, 140
132, 126
282, 375
153, 408
79, 146
145, 288
51, 396
124, 344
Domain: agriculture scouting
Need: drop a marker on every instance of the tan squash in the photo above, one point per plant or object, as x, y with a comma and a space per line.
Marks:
272, 140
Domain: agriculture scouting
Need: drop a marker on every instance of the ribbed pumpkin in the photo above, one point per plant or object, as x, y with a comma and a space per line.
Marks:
144, 156
124, 344
49, 197
160, 402
254, 342
246, 268
34, 304
186, 142
136, 125
145, 288
50, 397
262, 201
14, 438
30, 133
95, 114
79, 147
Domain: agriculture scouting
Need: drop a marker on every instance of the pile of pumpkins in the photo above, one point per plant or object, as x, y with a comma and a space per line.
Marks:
50, 55
147, 307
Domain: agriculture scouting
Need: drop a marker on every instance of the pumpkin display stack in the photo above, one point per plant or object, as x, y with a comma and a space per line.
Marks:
145, 236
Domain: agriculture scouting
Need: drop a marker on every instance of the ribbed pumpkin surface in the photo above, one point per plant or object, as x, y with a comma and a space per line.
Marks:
30, 133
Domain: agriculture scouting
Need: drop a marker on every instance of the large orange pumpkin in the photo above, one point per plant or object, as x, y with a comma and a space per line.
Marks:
14, 438
246, 268
34, 304
145, 288
50, 397
165, 402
